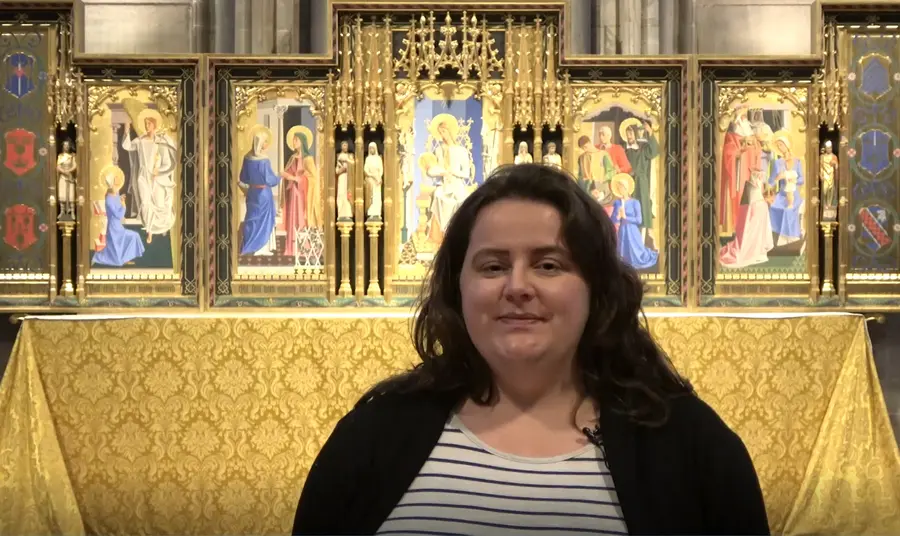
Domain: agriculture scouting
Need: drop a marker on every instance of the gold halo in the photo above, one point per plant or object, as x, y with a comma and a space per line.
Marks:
783, 137
303, 131
624, 179
150, 113
254, 130
451, 121
623, 126
118, 176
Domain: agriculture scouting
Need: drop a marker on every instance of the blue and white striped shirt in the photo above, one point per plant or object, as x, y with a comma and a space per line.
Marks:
467, 488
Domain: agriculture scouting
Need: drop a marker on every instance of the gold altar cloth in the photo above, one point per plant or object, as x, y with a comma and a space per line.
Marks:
209, 424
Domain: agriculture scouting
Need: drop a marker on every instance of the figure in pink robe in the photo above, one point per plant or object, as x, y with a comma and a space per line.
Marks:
299, 176
753, 229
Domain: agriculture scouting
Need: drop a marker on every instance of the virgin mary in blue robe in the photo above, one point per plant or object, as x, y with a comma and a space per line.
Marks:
122, 245
257, 180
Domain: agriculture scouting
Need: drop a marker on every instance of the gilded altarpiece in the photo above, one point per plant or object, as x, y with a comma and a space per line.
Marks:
332, 183
32, 41
139, 243
758, 191
865, 64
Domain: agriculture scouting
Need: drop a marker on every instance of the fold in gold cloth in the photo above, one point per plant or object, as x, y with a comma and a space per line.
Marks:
207, 425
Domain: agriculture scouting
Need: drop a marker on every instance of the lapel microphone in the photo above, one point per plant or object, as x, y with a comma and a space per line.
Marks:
593, 435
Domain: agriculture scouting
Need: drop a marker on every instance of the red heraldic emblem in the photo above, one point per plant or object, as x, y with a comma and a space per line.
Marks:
20, 151
20, 220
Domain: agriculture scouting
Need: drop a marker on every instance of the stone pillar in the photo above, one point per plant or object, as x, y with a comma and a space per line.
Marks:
578, 27
243, 13
606, 33
221, 17
319, 27
262, 27
650, 26
686, 41
199, 37
668, 27
630, 26
287, 17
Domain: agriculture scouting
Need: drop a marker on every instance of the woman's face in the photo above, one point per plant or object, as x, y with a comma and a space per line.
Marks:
523, 298
782, 148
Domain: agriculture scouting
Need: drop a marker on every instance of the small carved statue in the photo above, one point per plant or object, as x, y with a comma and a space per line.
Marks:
65, 186
523, 156
828, 171
342, 170
373, 169
552, 158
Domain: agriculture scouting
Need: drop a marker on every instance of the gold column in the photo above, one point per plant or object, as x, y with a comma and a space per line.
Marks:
568, 126
81, 237
537, 76
828, 274
359, 197
391, 178
374, 227
52, 212
506, 145
330, 206
344, 228
66, 288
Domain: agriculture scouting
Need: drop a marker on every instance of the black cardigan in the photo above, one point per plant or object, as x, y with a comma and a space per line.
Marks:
692, 475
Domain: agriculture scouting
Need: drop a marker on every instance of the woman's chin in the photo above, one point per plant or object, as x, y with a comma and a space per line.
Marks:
519, 350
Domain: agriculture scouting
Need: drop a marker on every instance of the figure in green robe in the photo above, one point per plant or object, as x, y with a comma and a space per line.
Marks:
595, 170
641, 148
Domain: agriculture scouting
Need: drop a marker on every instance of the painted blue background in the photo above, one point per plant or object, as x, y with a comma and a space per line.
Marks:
874, 137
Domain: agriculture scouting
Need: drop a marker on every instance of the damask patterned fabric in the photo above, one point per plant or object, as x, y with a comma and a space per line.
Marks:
208, 425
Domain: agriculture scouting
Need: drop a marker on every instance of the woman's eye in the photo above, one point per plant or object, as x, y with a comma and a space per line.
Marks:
549, 266
491, 268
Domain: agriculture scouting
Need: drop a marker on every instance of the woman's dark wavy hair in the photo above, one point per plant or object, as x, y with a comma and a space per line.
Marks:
616, 356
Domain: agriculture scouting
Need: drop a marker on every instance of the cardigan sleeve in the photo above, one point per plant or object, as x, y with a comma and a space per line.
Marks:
732, 497
328, 491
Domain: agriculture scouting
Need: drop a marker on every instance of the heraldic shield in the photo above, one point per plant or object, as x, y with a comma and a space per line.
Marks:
20, 151
19, 231
19, 74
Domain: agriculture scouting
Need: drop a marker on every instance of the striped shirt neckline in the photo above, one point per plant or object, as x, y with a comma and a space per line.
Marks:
456, 425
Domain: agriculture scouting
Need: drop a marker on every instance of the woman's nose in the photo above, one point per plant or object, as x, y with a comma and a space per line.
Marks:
519, 285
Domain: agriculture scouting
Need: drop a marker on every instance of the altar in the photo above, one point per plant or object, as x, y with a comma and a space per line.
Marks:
208, 424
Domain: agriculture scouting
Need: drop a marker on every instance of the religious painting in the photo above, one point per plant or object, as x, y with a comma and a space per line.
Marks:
27, 221
133, 182
449, 144
763, 182
136, 184
759, 189
619, 136
278, 168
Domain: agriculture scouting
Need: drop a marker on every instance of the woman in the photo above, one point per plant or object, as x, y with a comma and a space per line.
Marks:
373, 169
123, 245
535, 371
256, 180
627, 215
523, 156
753, 231
786, 176
301, 179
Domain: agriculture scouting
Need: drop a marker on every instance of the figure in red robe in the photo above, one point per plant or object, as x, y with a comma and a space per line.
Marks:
616, 152
300, 180
735, 167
